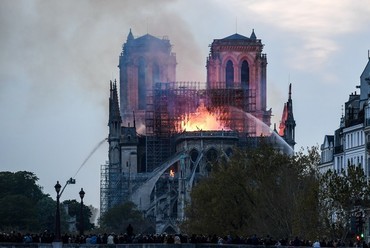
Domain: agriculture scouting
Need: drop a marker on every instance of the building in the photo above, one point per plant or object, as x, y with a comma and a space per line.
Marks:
165, 135
348, 145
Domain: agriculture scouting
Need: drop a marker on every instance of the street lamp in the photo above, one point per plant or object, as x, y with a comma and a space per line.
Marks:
57, 215
82, 194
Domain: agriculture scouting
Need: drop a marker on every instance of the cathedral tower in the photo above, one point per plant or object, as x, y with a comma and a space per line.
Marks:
143, 62
237, 62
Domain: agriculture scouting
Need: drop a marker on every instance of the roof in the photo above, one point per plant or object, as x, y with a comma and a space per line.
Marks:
148, 43
330, 138
238, 40
328, 142
147, 38
236, 36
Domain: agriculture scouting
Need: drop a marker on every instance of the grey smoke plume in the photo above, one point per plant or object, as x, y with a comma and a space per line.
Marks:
56, 60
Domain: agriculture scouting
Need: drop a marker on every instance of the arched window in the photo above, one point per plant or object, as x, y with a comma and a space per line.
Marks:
211, 157
229, 74
141, 84
245, 75
155, 73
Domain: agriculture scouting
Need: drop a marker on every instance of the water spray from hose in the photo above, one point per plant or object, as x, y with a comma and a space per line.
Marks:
90, 154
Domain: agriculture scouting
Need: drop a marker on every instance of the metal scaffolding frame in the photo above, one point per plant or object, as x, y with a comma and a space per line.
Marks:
169, 103
111, 186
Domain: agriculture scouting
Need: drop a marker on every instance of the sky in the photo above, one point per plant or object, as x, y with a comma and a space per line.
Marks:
57, 58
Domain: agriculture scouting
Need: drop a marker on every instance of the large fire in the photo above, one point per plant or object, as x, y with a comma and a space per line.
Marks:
200, 120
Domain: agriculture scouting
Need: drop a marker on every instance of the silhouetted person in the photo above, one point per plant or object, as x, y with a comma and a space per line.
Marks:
130, 230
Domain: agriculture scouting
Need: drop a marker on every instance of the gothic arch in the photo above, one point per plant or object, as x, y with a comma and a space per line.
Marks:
229, 57
251, 64
141, 83
155, 72
211, 157
229, 74
244, 74
223, 69
194, 154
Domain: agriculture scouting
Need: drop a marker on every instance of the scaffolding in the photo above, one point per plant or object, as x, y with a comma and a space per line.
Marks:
111, 190
169, 104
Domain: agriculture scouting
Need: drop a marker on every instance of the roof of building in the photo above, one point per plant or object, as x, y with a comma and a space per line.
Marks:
147, 42
330, 138
239, 40
236, 36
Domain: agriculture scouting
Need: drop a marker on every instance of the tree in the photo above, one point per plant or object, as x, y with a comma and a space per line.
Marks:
24, 207
258, 191
46, 208
342, 195
20, 183
119, 217
19, 195
17, 212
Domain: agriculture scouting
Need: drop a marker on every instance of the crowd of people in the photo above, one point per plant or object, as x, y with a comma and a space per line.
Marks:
127, 238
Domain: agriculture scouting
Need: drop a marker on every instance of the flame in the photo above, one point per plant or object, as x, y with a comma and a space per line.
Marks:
172, 173
202, 119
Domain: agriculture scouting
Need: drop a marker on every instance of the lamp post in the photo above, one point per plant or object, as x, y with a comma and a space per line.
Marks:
57, 214
82, 194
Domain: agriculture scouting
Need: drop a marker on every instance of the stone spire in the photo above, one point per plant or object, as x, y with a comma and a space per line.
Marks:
130, 36
114, 114
287, 124
253, 35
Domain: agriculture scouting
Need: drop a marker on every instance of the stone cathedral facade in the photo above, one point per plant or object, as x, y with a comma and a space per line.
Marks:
165, 135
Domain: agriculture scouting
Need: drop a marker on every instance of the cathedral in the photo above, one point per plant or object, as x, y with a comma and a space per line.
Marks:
164, 135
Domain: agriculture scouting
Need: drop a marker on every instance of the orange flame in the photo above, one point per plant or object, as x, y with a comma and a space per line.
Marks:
172, 173
202, 119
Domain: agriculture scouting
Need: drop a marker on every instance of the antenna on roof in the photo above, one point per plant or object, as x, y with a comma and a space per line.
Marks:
368, 54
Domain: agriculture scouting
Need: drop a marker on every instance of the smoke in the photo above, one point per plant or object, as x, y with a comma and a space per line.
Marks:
55, 45
56, 61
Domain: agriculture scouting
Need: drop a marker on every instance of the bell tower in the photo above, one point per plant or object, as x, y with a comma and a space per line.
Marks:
237, 62
143, 62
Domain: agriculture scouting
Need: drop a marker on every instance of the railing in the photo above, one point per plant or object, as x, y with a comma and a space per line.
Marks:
208, 134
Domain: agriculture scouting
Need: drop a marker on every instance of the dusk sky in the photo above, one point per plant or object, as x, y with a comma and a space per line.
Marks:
57, 58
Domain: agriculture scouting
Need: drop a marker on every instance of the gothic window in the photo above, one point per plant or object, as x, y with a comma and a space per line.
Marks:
245, 75
155, 73
211, 157
194, 154
229, 74
141, 84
